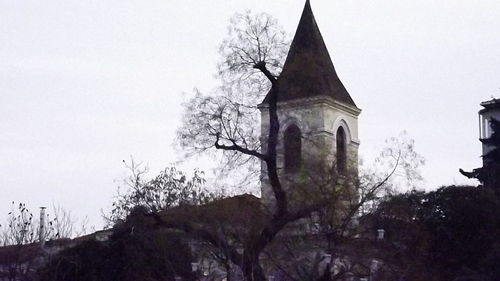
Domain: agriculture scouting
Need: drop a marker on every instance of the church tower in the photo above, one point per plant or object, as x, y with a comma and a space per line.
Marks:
318, 118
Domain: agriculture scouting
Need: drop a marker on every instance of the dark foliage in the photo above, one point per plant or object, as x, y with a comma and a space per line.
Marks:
170, 188
448, 234
136, 251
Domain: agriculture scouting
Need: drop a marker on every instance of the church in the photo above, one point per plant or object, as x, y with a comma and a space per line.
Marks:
317, 143
318, 118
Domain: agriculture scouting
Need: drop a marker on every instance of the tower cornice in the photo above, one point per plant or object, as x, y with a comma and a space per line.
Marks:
315, 101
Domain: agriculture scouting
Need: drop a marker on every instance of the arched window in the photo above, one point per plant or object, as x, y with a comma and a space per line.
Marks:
341, 151
293, 149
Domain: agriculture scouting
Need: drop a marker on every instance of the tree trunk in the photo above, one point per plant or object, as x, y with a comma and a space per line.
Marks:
252, 271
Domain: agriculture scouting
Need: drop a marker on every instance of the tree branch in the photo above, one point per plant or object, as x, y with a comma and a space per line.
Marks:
261, 65
235, 147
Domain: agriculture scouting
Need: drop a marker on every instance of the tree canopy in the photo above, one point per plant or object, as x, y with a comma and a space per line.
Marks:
136, 251
170, 188
448, 234
228, 115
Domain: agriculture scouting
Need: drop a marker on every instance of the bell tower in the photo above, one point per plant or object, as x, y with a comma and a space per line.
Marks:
318, 118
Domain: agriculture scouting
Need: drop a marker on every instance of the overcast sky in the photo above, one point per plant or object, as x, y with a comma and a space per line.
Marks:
85, 84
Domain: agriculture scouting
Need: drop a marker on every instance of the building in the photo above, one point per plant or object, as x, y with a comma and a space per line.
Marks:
318, 118
491, 110
318, 141
489, 135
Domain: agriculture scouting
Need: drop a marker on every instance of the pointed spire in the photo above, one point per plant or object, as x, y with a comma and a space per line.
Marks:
308, 69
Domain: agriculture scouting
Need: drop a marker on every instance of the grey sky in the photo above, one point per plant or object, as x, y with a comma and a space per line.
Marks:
86, 84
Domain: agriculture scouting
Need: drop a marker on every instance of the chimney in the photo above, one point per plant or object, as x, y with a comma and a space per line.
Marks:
327, 258
380, 233
195, 266
41, 233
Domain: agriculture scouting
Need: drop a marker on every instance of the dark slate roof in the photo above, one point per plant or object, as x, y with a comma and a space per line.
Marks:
491, 104
308, 69
240, 210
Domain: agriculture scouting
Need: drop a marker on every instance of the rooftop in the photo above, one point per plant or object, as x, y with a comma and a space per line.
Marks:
308, 70
490, 104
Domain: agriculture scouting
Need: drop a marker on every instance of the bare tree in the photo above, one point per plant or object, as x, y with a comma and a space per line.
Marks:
333, 244
226, 117
20, 228
170, 188
20, 234
62, 224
